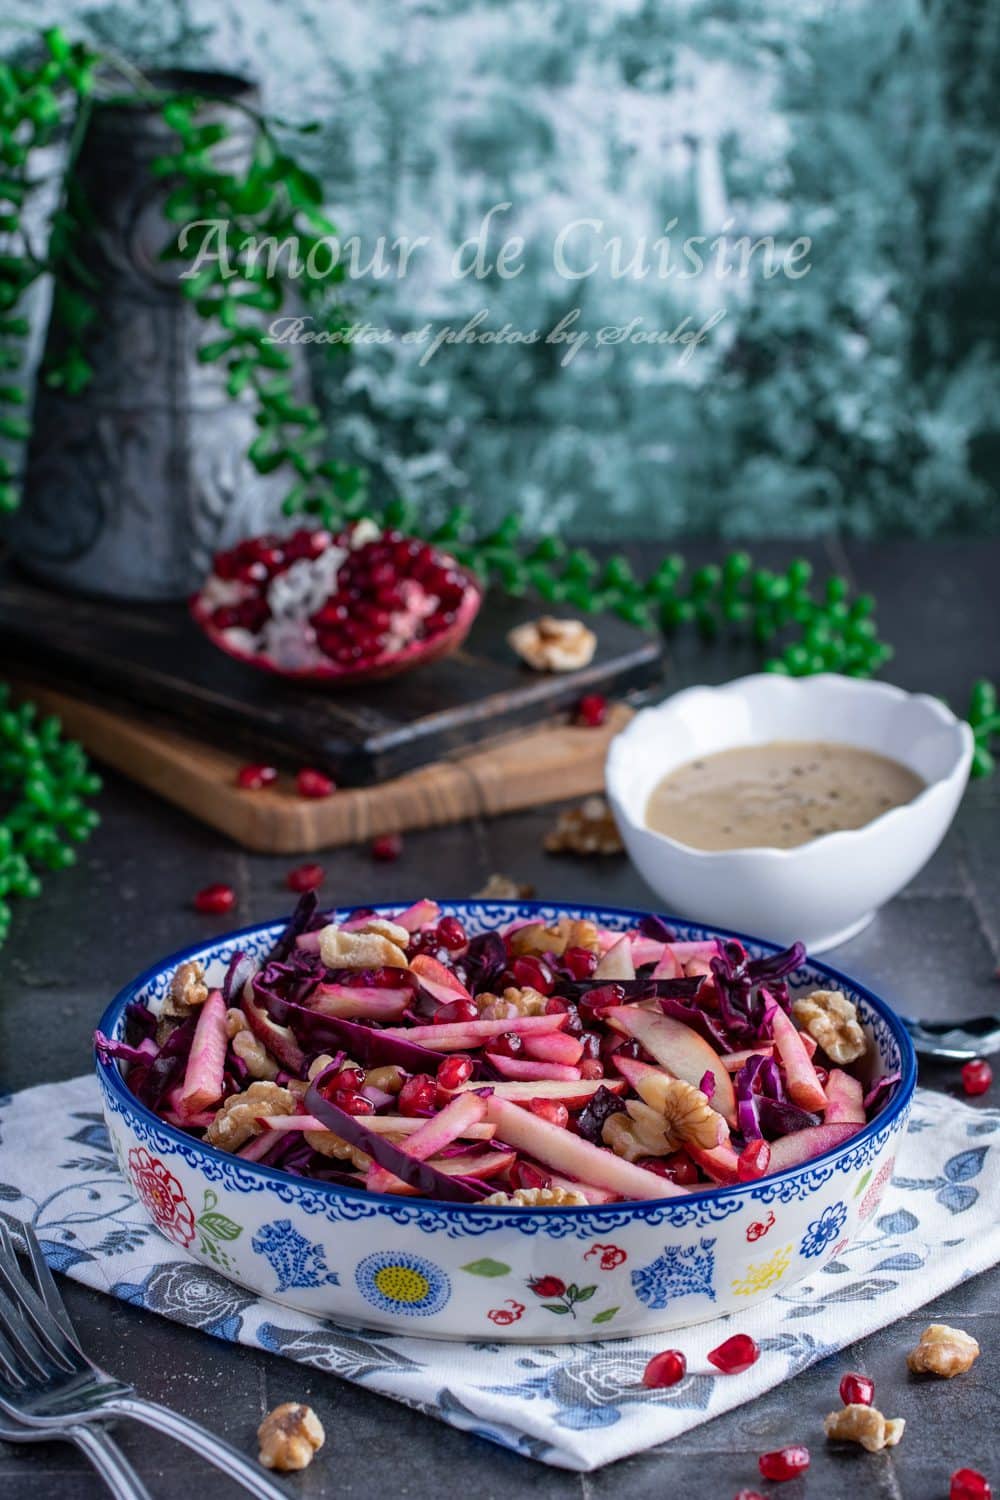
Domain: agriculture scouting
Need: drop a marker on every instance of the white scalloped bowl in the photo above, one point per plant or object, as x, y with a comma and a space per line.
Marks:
457, 1271
827, 890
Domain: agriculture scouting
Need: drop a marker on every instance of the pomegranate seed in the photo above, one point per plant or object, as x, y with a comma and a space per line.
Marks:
683, 1168
454, 1071
592, 710
591, 1043
215, 900
556, 1007
527, 1176
857, 1390
507, 1044
580, 962
387, 847
784, 1463
347, 1081
531, 973
353, 1104
735, 1354
664, 1369
977, 1076
455, 1010
755, 1158
591, 1068
551, 1110
313, 783
599, 999
418, 1095
305, 877
969, 1484
252, 778
451, 933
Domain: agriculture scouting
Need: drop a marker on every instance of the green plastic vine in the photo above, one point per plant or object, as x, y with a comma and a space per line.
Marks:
44, 779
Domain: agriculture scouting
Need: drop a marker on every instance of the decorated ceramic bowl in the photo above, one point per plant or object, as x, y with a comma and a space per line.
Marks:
461, 1271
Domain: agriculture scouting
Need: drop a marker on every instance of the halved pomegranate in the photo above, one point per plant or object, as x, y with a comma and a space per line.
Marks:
348, 607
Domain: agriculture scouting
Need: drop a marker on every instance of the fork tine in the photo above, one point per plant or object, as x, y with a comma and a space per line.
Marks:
10, 1366
47, 1288
39, 1319
33, 1363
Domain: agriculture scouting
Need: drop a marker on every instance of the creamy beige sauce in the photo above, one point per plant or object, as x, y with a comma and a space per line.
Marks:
777, 795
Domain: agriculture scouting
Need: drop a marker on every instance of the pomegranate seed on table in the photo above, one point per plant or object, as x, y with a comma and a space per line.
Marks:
305, 878
451, 933
969, 1484
388, 846
735, 1355
784, 1463
252, 778
977, 1076
455, 1071
455, 1010
418, 1095
664, 1370
592, 710
754, 1160
215, 900
857, 1390
314, 784
549, 1109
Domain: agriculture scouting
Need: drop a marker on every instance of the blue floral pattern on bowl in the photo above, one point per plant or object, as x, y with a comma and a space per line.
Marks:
293, 1259
824, 1230
395, 1281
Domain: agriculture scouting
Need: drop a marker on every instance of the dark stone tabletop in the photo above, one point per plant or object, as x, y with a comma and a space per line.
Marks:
934, 950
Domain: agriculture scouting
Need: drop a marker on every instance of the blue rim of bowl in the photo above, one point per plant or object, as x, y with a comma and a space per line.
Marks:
108, 1069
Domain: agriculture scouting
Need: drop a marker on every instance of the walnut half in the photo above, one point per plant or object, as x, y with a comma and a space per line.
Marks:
236, 1121
832, 1022
587, 829
556, 1197
943, 1351
551, 645
289, 1436
865, 1425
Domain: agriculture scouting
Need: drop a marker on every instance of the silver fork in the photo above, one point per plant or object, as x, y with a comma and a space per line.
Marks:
91, 1438
48, 1383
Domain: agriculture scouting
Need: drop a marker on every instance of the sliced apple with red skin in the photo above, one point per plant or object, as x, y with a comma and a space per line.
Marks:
484, 1164
474, 1033
574, 1095
845, 1099
678, 1049
440, 983
380, 1124
809, 1043
524, 1069
348, 1002
802, 1145
279, 1040
560, 1149
433, 1136
617, 962
668, 965
720, 1163
553, 1046
420, 914
204, 1074
804, 1088
645, 950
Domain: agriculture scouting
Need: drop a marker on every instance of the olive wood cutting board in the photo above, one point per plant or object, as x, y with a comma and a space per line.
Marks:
151, 662
521, 769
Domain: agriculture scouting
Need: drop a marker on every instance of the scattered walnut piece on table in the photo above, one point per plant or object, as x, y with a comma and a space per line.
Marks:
587, 829
832, 1022
237, 1120
289, 1436
943, 1351
551, 645
554, 1197
504, 888
865, 1425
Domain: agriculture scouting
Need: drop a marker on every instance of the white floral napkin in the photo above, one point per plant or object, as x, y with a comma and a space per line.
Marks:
577, 1406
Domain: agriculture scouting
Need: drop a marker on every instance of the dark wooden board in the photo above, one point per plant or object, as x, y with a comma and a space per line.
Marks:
151, 657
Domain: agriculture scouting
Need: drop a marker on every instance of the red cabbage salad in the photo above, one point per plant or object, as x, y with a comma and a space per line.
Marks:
550, 1063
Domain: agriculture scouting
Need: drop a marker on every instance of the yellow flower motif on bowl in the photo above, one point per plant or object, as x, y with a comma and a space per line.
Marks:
762, 1275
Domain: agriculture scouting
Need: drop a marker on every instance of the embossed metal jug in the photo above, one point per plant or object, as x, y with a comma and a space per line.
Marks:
131, 485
